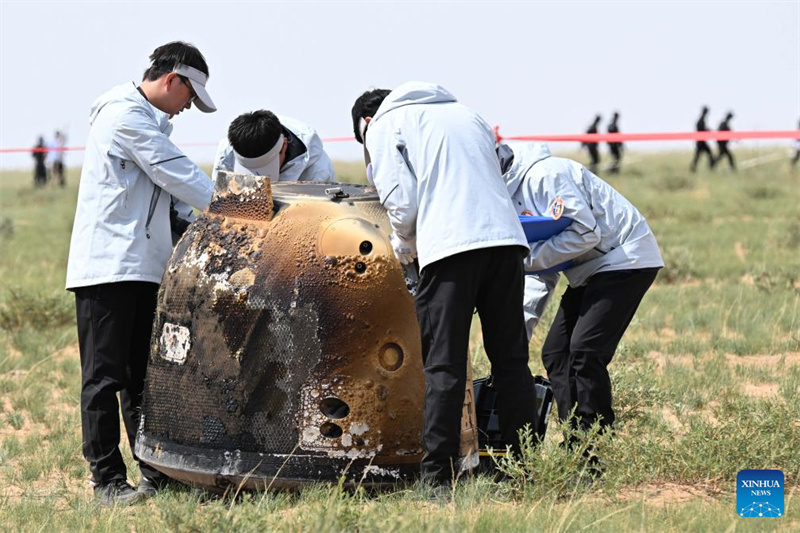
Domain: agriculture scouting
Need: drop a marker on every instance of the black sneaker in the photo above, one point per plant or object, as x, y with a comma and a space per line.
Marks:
149, 487
594, 467
115, 492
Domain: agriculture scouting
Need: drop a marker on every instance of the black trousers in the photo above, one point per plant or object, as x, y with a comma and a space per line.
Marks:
491, 280
616, 156
583, 338
723, 152
700, 148
115, 321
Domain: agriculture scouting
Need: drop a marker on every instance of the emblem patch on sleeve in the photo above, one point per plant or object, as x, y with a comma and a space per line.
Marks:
556, 209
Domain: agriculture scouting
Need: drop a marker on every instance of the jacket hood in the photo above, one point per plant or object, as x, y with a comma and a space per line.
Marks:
414, 92
127, 93
523, 157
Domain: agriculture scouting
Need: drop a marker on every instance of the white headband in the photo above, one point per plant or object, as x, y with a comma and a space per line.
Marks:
362, 129
262, 160
198, 81
268, 164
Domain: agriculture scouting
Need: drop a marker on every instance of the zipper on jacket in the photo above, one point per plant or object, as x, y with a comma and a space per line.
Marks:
124, 181
153, 204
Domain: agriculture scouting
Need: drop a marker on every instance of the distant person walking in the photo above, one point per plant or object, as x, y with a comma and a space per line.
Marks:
722, 146
56, 157
39, 168
701, 147
797, 150
617, 148
594, 152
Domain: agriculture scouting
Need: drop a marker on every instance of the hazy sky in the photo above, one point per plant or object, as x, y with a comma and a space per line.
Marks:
530, 67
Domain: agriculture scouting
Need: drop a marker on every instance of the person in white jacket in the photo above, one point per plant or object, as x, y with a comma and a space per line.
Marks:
433, 163
133, 177
265, 144
614, 260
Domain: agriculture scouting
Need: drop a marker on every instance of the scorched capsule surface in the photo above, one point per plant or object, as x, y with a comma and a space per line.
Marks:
285, 348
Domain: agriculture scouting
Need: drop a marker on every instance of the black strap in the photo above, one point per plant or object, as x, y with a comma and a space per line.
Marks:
153, 203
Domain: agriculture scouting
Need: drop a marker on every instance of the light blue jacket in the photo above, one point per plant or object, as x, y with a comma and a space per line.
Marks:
312, 165
437, 174
131, 171
607, 233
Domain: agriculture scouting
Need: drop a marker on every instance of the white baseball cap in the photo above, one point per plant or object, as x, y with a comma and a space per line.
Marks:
198, 81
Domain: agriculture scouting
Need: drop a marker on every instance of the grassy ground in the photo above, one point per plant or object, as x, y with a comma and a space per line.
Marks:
707, 382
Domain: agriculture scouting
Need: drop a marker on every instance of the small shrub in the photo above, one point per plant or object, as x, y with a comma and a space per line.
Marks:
675, 182
678, 265
15, 420
550, 468
6, 229
37, 310
636, 390
763, 192
791, 238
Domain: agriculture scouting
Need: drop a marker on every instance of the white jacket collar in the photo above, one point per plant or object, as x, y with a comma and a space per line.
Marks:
128, 92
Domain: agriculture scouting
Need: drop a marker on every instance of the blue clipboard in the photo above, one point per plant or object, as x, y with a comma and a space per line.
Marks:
542, 228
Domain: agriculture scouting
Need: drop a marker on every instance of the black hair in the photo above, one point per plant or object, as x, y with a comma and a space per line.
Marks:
165, 58
365, 106
253, 134
505, 155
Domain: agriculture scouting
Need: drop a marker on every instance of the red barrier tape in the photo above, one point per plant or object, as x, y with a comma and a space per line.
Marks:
679, 136
32, 150
578, 137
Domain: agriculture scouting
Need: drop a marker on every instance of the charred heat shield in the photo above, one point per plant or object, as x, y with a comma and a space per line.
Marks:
285, 348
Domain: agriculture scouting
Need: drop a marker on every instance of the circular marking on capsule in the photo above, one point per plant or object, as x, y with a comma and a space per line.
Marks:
391, 357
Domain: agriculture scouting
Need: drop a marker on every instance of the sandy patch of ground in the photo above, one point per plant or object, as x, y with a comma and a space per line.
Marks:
661, 360
12, 353
741, 253
68, 352
764, 360
761, 390
748, 279
672, 420
55, 485
26, 428
662, 494
667, 334
788, 359
702, 192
